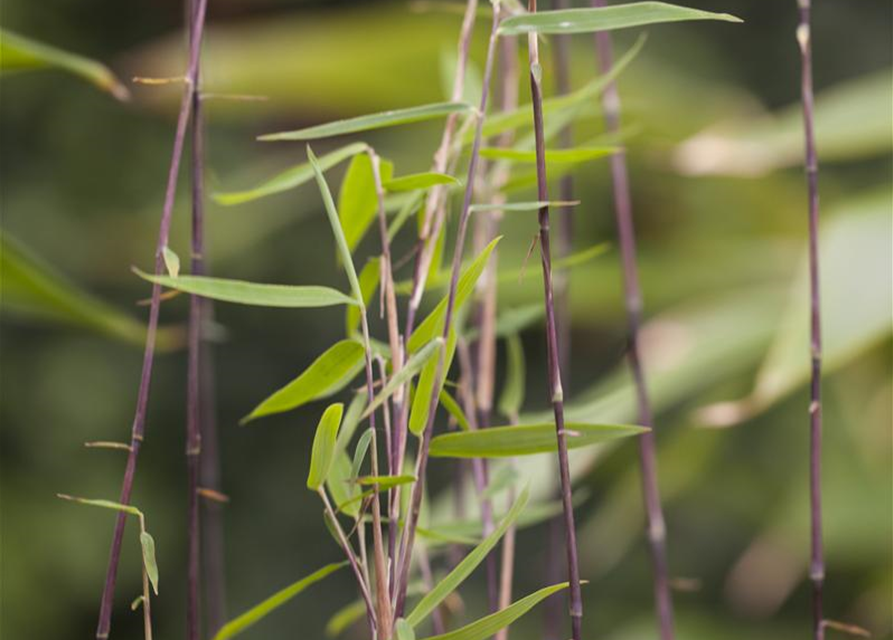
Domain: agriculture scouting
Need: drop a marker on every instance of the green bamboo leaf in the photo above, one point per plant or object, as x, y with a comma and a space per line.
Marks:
31, 288
489, 625
512, 398
171, 261
523, 206
386, 482
449, 403
252, 293
421, 401
290, 178
409, 370
360, 454
358, 199
345, 493
553, 156
344, 618
524, 440
433, 324
328, 374
262, 610
323, 453
404, 630
104, 504
462, 570
18, 53
372, 121
351, 419
623, 16
415, 181
370, 276
148, 545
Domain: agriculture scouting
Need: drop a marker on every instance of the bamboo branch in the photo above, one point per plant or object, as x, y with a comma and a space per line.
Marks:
139, 420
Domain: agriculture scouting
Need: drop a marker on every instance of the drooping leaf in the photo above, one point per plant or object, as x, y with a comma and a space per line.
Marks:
524, 440
148, 545
105, 504
345, 493
358, 199
372, 121
33, 289
351, 419
512, 398
425, 390
449, 403
370, 276
323, 452
500, 479
489, 625
553, 156
404, 630
18, 53
409, 370
262, 610
290, 178
326, 375
432, 325
415, 181
386, 482
252, 293
462, 570
587, 20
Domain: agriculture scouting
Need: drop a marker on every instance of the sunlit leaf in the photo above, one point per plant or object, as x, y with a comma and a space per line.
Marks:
326, 375
31, 288
404, 630
148, 545
523, 440
358, 199
262, 610
463, 569
489, 625
425, 389
372, 121
18, 53
323, 452
587, 20
406, 373
105, 504
360, 454
290, 178
512, 398
386, 482
553, 156
252, 293
415, 181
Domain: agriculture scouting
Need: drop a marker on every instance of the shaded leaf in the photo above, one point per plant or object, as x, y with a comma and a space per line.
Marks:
148, 545
360, 454
372, 121
523, 440
357, 198
370, 276
326, 375
404, 630
553, 156
523, 206
386, 482
449, 403
323, 452
512, 398
407, 372
262, 610
252, 293
421, 401
344, 618
623, 16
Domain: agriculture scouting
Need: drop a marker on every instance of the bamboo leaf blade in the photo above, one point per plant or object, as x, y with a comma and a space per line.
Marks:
147, 543
589, 20
416, 181
386, 482
553, 156
369, 122
323, 452
358, 198
370, 278
524, 440
512, 398
412, 367
328, 374
262, 610
252, 293
20, 53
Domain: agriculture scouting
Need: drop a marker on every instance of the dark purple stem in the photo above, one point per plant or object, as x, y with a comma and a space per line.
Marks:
555, 389
422, 463
817, 555
139, 420
647, 449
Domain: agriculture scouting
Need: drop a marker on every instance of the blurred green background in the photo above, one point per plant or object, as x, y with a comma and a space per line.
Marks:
721, 218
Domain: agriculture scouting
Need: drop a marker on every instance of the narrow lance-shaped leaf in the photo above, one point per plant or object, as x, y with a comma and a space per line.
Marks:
449, 403
290, 178
432, 325
171, 261
262, 610
252, 293
404, 630
372, 121
553, 156
535, 205
462, 570
524, 440
406, 373
323, 452
415, 181
328, 374
18, 53
370, 276
588, 20
421, 401
512, 398
489, 625
148, 545
358, 198
360, 454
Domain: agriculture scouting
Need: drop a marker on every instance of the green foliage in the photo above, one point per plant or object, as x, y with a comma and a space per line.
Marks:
512, 398
328, 374
262, 610
425, 389
370, 276
147, 542
623, 16
323, 452
414, 181
358, 199
386, 482
553, 156
406, 373
524, 440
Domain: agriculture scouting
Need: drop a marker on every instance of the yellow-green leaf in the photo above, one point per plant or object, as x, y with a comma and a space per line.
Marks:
148, 545
421, 401
370, 276
171, 261
323, 452
409, 370
415, 181
358, 199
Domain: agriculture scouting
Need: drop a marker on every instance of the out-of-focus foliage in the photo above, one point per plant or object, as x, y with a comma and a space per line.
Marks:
720, 256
